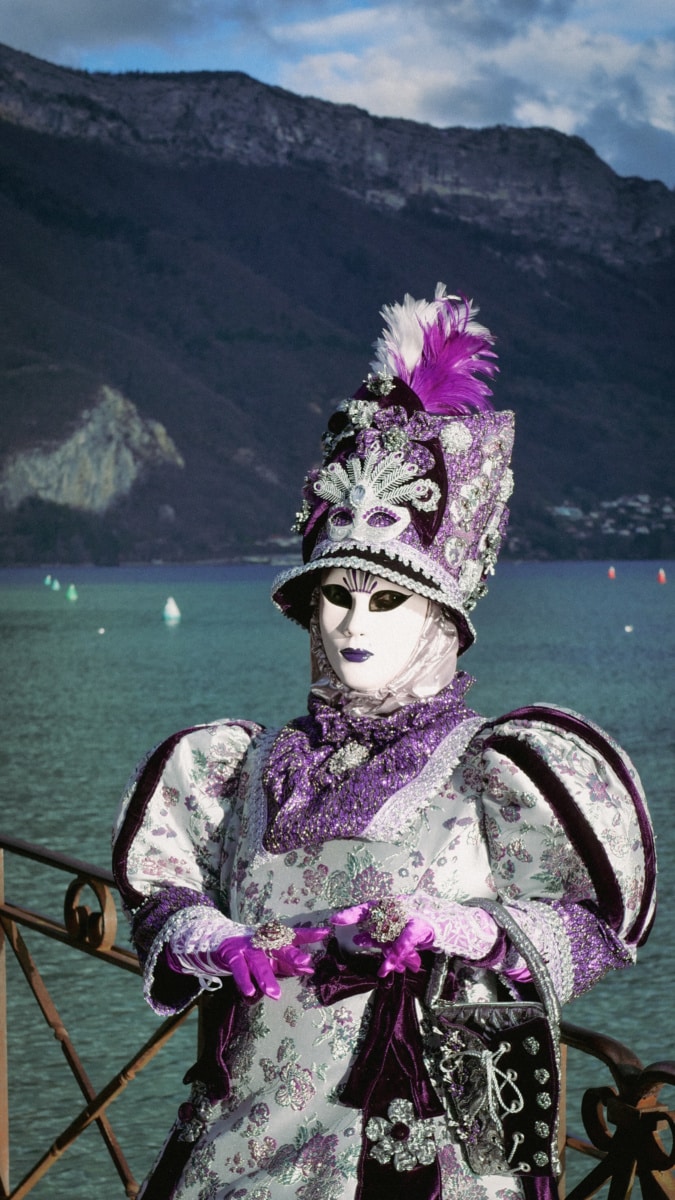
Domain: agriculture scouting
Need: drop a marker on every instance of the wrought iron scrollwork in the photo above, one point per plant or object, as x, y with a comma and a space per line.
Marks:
642, 1144
640, 1127
95, 928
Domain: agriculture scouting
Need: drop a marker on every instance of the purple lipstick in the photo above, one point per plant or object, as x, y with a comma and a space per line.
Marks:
356, 656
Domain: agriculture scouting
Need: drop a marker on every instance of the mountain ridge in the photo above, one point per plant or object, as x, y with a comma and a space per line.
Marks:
527, 181
235, 303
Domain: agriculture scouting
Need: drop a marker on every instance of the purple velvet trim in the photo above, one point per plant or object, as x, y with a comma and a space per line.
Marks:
133, 819
537, 1187
585, 841
381, 1181
164, 1179
400, 395
389, 1064
594, 947
340, 805
390, 1056
639, 931
218, 1012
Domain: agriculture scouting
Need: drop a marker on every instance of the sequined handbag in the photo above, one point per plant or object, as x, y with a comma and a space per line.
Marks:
498, 1068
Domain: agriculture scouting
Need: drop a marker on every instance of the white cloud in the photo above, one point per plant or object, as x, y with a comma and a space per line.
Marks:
335, 28
603, 69
565, 76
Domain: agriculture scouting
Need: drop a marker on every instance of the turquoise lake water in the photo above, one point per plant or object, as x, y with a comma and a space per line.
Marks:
89, 685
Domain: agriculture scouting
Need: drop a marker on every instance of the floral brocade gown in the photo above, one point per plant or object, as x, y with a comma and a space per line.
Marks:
539, 811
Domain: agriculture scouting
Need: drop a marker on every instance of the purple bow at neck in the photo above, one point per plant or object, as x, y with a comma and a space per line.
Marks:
328, 773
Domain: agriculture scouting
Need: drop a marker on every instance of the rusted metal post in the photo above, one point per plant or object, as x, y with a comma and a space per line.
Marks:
635, 1152
97, 1105
4, 1073
53, 1020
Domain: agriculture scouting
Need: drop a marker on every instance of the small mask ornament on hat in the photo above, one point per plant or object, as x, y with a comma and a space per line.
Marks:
364, 495
415, 478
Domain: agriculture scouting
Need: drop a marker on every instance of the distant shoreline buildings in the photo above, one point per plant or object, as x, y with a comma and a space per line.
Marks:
630, 526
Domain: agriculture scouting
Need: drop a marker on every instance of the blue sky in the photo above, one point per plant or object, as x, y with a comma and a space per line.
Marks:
602, 69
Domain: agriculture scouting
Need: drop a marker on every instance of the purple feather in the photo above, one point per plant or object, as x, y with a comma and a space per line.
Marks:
444, 377
439, 350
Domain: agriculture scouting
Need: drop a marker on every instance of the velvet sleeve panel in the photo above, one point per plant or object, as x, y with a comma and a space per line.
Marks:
569, 838
172, 843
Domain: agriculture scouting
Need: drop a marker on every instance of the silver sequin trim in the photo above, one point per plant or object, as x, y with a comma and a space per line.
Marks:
398, 812
544, 926
442, 588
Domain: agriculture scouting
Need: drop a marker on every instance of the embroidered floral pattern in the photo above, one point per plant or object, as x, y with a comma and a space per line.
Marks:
338, 1029
312, 1161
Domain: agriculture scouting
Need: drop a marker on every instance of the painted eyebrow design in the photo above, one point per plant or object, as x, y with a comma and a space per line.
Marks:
359, 581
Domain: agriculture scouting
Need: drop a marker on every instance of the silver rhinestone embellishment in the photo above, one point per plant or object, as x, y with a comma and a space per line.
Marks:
455, 438
506, 485
361, 412
454, 551
395, 439
350, 755
380, 384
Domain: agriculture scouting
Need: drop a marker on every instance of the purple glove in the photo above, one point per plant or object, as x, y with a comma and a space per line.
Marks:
380, 922
250, 967
291, 960
403, 925
403, 954
252, 959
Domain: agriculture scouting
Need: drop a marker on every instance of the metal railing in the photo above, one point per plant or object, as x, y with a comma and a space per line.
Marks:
642, 1146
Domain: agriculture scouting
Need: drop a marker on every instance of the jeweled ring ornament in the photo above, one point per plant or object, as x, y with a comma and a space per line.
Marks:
386, 920
273, 935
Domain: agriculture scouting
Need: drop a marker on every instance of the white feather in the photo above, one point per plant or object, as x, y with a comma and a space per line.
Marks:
402, 338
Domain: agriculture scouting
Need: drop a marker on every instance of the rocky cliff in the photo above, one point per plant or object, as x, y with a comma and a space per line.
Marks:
534, 183
97, 464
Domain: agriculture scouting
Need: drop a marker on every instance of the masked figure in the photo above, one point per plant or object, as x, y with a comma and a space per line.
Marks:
332, 886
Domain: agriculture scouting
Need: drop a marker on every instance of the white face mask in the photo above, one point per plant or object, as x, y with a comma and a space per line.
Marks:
370, 627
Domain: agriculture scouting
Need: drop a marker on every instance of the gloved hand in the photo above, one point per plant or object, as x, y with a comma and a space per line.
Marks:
403, 925
403, 954
253, 957
379, 922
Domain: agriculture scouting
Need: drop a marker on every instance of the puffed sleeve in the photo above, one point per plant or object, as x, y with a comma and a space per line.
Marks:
570, 841
173, 835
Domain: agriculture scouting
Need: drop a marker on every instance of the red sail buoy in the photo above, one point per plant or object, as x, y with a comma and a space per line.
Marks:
611, 574
661, 575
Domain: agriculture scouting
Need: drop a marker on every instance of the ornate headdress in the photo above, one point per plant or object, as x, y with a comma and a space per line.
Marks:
415, 476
